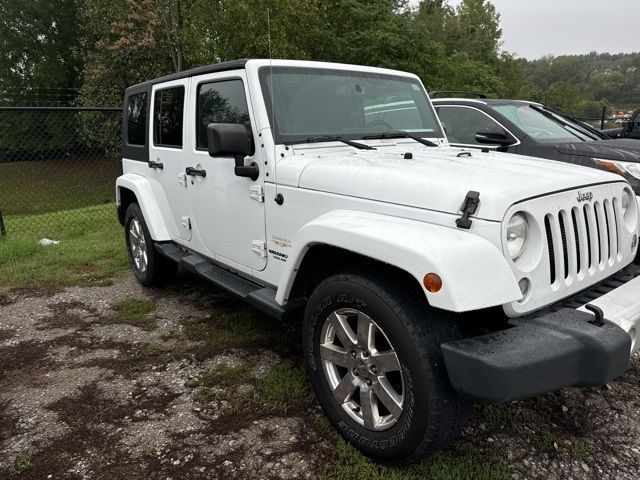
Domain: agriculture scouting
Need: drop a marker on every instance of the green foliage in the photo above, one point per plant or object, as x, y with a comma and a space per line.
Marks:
133, 311
468, 464
103, 46
283, 387
40, 48
21, 463
590, 81
90, 251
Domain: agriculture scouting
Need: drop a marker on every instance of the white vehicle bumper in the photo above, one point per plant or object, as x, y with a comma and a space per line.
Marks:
622, 307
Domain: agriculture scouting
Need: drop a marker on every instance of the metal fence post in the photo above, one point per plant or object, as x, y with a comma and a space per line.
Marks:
604, 115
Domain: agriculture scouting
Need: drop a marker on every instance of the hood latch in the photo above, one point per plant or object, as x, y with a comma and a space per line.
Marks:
468, 208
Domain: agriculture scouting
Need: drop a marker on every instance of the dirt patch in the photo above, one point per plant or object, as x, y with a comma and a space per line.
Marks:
193, 384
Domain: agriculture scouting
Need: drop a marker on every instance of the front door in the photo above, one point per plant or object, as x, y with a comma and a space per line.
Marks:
167, 156
228, 211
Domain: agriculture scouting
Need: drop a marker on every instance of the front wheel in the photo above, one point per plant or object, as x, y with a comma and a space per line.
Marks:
372, 351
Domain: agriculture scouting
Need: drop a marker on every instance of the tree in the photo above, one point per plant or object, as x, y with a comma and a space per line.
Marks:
39, 49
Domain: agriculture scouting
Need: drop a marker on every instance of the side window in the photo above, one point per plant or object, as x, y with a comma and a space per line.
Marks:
461, 124
220, 102
168, 109
137, 118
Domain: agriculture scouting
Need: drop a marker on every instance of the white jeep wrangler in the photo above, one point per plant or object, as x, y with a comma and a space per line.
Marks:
429, 276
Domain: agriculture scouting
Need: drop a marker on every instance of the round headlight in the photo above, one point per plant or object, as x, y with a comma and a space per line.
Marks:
517, 235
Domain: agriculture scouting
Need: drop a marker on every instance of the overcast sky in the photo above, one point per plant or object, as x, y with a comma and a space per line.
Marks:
533, 28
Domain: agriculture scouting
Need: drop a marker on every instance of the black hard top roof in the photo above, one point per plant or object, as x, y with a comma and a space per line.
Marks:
215, 67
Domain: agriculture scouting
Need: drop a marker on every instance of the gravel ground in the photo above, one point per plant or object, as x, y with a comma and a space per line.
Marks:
193, 388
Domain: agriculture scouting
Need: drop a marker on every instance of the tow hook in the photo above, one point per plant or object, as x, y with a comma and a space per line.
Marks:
598, 321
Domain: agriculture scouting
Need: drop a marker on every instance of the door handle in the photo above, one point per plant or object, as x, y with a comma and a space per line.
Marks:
194, 172
153, 164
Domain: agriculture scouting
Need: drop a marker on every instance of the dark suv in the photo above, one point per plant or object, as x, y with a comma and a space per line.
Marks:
529, 128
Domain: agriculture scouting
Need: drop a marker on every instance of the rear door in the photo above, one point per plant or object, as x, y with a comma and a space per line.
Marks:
167, 155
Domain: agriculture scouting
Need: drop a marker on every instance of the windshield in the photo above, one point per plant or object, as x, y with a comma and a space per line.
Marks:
541, 127
312, 102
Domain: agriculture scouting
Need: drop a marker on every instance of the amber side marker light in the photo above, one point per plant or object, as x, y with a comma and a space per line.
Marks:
432, 282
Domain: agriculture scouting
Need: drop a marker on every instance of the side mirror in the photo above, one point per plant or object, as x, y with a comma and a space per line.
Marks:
229, 140
233, 140
494, 138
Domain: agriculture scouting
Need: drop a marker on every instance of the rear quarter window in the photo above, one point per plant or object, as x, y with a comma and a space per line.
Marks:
137, 118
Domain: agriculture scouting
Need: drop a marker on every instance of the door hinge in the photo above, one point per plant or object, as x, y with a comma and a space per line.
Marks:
259, 247
257, 193
186, 223
182, 179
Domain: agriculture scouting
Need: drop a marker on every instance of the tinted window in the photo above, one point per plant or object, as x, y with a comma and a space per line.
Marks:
461, 124
220, 102
167, 123
137, 118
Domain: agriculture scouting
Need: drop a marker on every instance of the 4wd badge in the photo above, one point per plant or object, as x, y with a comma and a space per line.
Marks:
585, 197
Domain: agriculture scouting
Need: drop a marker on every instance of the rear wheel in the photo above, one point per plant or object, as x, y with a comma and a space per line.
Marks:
372, 350
149, 266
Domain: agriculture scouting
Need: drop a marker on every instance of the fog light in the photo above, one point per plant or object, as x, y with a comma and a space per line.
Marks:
524, 285
432, 282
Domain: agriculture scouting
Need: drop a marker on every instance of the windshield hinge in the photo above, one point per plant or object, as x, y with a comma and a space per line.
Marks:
257, 193
468, 208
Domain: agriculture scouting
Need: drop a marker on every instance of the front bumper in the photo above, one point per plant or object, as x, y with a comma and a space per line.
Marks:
536, 356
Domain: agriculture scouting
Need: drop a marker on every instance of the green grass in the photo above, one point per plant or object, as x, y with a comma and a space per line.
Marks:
228, 378
21, 464
283, 387
133, 311
545, 441
462, 464
498, 416
242, 326
60, 184
580, 451
91, 249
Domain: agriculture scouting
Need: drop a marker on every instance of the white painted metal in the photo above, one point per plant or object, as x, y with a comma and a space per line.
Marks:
169, 181
149, 204
226, 218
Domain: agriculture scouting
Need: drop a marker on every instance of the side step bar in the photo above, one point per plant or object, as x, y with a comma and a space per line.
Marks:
258, 296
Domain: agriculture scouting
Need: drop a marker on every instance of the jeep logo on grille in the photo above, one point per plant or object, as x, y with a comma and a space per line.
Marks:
585, 197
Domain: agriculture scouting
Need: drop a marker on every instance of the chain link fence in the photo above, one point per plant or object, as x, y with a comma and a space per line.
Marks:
58, 166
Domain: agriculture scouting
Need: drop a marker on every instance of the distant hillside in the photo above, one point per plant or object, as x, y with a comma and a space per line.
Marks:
582, 83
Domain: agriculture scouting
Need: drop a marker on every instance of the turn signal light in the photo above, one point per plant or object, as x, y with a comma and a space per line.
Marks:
432, 282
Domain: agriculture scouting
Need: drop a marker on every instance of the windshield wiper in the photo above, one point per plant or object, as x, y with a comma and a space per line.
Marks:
585, 126
329, 138
401, 134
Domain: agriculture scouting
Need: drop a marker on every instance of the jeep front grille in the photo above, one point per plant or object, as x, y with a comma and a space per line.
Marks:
582, 240
577, 238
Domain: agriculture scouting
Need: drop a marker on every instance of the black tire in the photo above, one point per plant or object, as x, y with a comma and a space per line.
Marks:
433, 413
158, 269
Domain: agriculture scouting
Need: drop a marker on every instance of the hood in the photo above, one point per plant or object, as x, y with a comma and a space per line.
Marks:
437, 178
617, 149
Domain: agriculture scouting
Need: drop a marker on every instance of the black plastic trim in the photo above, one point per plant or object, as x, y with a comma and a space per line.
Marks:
536, 356
213, 68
